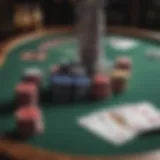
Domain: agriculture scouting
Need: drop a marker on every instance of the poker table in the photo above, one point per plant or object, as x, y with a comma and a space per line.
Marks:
63, 137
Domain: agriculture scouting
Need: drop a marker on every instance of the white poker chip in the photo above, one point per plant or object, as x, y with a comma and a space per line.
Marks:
153, 55
123, 43
32, 72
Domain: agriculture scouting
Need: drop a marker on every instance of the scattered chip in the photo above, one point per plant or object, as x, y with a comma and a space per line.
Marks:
26, 56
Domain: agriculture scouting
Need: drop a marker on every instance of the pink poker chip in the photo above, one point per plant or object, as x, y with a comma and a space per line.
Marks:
26, 88
101, 79
27, 113
123, 60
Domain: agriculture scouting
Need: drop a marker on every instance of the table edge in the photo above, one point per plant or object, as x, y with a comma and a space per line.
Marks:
21, 151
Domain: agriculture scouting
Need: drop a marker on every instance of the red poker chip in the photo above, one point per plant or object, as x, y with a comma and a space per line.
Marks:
26, 88
101, 79
29, 120
101, 87
28, 113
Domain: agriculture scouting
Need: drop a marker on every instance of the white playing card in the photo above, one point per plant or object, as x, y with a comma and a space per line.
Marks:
140, 116
150, 116
123, 123
108, 128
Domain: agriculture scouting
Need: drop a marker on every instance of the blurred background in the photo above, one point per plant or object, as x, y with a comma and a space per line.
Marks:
19, 16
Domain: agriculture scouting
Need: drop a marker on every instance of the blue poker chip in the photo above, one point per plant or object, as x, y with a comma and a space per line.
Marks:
62, 80
81, 81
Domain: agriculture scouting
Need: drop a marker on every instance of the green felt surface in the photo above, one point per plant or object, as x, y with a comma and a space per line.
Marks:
61, 130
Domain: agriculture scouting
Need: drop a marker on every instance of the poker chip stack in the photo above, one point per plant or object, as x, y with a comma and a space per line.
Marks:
33, 75
28, 116
101, 87
29, 121
124, 63
61, 88
119, 80
26, 94
81, 83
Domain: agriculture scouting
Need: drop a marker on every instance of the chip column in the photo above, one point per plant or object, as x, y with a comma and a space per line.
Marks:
61, 88
29, 121
33, 76
26, 94
124, 63
101, 87
81, 86
119, 80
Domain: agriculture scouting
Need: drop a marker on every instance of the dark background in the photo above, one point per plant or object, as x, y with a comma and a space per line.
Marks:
136, 13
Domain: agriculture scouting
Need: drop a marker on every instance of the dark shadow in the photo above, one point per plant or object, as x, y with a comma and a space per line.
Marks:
15, 135
7, 108
154, 132
46, 95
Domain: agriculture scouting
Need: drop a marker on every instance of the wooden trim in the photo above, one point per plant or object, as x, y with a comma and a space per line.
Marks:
21, 151
10, 44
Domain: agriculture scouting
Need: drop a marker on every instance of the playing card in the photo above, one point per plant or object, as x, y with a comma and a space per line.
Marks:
109, 126
140, 116
123, 123
149, 116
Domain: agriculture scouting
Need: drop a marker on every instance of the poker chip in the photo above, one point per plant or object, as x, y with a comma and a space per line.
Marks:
153, 54
32, 72
101, 87
28, 112
119, 80
101, 79
123, 63
120, 74
26, 94
26, 87
81, 86
32, 75
26, 56
29, 120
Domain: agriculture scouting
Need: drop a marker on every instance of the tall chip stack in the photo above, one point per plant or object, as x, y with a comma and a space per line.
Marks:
90, 27
28, 114
81, 83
